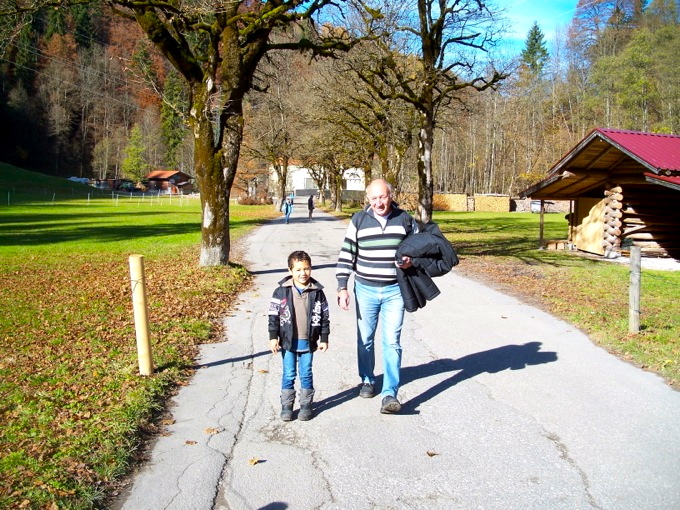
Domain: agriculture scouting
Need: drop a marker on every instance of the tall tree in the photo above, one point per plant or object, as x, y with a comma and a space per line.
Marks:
173, 114
275, 123
535, 53
135, 165
437, 57
216, 46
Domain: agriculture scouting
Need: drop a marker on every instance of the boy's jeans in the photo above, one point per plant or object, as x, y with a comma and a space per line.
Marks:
386, 304
293, 361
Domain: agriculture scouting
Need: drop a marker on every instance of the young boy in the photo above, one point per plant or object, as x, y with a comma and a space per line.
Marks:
298, 324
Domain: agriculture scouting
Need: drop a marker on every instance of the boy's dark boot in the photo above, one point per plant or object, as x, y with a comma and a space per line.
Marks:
287, 401
306, 399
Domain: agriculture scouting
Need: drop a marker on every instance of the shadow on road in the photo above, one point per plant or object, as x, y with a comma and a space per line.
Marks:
512, 357
230, 360
316, 267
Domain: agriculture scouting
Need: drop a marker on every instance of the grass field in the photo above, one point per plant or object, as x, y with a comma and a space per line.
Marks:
72, 407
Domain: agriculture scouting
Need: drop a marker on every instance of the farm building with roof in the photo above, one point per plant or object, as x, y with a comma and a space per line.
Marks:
624, 188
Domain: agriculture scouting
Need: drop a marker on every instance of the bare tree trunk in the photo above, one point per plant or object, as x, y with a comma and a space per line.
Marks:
425, 186
336, 190
215, 166
281, 170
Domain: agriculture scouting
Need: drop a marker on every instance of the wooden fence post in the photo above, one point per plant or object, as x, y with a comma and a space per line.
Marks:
634, 290
541, 233
141, 314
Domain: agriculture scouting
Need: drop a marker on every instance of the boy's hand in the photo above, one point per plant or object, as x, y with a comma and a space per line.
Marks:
274, 345
323, 346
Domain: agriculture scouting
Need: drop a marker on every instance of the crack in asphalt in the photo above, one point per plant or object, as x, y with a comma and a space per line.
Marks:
564, 454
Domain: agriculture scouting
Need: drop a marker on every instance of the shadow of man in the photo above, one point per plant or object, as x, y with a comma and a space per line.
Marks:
512, 357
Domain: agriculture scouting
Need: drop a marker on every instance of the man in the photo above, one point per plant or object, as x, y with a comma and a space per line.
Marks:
310, 205
368, 251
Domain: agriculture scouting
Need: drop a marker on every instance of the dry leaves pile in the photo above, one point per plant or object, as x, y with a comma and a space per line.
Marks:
71, 402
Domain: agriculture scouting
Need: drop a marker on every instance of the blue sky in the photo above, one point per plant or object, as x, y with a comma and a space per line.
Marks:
549, 14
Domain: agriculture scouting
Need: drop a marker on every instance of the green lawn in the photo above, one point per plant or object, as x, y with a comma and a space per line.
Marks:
72, 405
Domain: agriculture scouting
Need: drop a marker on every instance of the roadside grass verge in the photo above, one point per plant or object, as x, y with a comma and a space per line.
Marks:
590, 293
72, 405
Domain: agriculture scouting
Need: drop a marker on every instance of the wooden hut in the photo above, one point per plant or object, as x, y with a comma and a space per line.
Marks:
170, 181
624, 188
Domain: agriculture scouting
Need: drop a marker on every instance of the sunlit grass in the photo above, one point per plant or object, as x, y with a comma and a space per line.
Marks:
72, 404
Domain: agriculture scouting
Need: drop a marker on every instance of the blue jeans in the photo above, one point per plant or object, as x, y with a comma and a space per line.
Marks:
292, 361
386, 304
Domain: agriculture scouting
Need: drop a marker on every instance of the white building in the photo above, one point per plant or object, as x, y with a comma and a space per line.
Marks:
300, 179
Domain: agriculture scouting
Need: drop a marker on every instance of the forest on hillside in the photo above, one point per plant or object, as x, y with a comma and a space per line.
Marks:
85, 93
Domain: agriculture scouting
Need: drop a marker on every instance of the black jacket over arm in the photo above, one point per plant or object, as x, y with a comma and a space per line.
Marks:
432, 256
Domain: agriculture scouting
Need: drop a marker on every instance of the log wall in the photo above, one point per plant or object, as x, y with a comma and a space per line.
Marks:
650, 219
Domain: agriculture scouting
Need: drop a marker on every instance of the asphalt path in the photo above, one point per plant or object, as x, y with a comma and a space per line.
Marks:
504, 407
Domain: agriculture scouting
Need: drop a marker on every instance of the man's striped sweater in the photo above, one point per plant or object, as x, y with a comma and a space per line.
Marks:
369, 249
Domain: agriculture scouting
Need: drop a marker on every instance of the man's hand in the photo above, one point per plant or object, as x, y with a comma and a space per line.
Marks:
323, 346
406, 262
274, 345
343, 299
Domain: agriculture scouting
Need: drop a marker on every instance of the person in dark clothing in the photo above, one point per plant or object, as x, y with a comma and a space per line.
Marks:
310, 205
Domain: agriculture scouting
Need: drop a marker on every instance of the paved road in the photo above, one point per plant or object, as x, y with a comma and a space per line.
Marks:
505, 407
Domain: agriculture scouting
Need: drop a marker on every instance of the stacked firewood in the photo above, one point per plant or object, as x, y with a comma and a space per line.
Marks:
613, 205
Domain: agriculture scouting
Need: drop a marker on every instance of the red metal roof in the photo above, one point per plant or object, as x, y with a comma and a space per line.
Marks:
664, 180
162, 174
656, 151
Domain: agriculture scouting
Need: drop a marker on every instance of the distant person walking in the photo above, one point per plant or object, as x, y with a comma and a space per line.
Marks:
310, 205
298, 324
369, 251
287, 209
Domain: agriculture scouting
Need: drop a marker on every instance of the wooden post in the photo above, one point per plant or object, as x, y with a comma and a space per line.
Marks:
634, 291
141, 314
541, 241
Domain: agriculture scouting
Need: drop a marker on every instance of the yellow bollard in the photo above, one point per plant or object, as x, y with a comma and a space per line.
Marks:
141, 314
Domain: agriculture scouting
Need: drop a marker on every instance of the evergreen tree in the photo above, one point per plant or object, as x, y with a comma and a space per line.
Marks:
173, 128
134, 165
57, 23
26, 60
86, 20
535, 54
